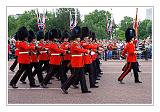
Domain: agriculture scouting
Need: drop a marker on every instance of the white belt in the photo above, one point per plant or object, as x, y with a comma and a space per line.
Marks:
55, 54
76, 55
23, 52
43, 51
86, 54
34, 52
92, 53
16, 49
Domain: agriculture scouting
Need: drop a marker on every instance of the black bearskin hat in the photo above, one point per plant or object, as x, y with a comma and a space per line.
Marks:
40, 35
31, 35
59, 33
90, 34
93, 36
53, 34
85, 32
46, 37
65, 34
15, 36
129, 34
22, 33
76, 32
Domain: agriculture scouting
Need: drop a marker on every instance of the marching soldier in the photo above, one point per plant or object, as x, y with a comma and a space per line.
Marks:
131, 57
67, 57
55, 59
46, 42
42, 55
87, 57
34, 59
94, 56
23, 59
77, 63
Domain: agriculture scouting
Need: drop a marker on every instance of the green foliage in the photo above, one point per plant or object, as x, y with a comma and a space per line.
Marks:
120, 34
126, 23
12, 25
143, 30
96, 21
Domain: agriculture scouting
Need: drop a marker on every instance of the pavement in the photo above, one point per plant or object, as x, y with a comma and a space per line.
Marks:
110, 92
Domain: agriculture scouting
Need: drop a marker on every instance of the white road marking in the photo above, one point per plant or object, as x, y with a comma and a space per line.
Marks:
31, 88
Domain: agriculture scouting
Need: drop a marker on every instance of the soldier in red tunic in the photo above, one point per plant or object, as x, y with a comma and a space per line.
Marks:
34, 58
87, 57
42, 55
55, 59
67, 57
131, 56
77, 63
23, 58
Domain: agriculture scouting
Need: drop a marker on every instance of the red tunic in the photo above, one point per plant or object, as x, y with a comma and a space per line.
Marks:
87, 57
77, 57
24, 57
34, 57
17, 50
129, 49
95, 50
43, 53
55, 54
66, 46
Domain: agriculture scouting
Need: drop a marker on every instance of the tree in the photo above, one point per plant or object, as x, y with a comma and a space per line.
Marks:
149, 28
96, 21
12, 25
142, 29
126, 23
120, 34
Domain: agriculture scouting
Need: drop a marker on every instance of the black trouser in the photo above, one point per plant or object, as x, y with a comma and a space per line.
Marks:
66, 66
129, 66
98, 65
95, 69
35, 65
23, 68
55, 69
45, 66
77, 75
13, 66
125, 66
42, 65
90, 70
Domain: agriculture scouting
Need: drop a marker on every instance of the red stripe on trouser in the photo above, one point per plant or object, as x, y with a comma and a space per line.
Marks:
125, 72
125, 67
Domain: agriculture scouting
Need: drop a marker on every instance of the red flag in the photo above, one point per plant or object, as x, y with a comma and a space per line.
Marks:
136, 23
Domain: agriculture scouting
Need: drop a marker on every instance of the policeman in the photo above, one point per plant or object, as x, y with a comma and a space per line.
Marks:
77, 63
131, 57
87, 57
23, 58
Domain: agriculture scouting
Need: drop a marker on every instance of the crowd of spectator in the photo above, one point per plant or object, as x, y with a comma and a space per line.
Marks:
112, 49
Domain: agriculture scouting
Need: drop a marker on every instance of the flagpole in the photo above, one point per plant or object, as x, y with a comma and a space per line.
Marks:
136, 23
70, 21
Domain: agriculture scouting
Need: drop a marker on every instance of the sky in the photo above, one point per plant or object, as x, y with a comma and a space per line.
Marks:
117, 12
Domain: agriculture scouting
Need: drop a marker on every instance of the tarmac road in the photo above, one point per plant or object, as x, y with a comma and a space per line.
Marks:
109, 91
